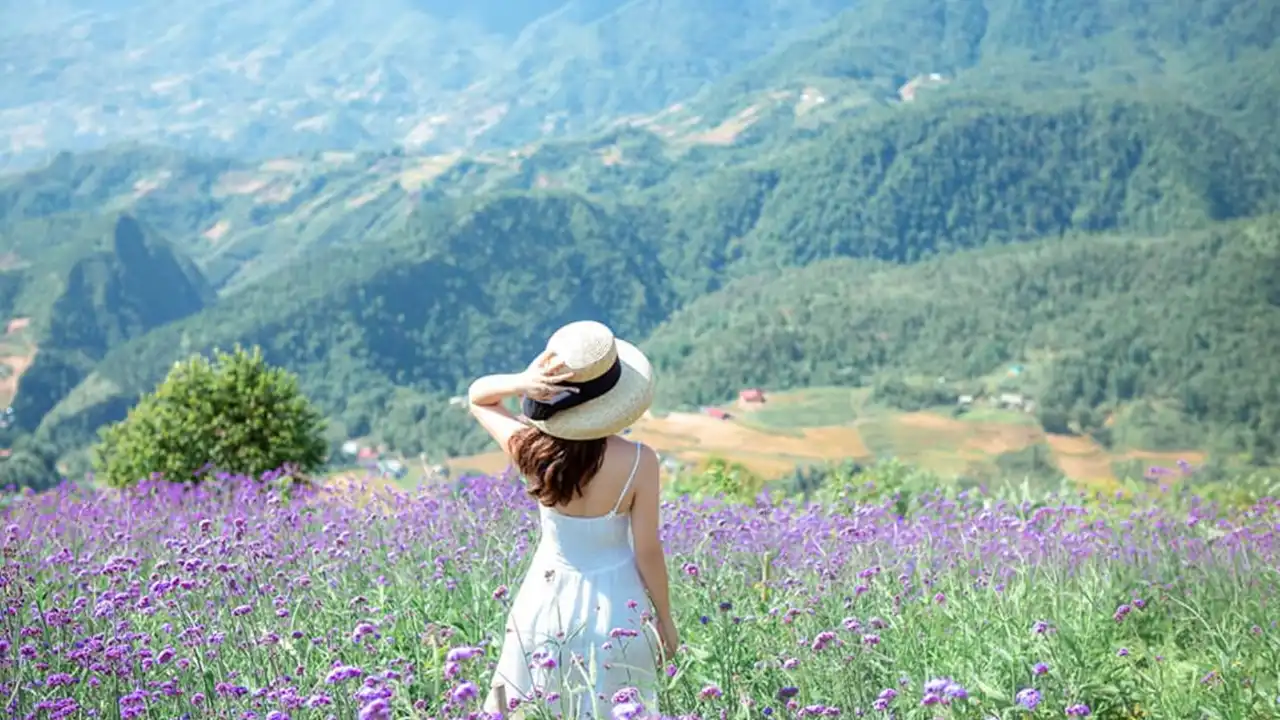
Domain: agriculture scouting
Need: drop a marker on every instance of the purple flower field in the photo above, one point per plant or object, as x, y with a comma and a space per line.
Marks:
238, 602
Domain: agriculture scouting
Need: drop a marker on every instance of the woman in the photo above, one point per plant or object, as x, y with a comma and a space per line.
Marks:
578, 629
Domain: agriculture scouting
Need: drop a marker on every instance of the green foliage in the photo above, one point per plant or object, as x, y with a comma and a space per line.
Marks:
1054, 420
912, 396
235, 414
382, 360
889, 481
29, 465
85, 284
1190, 318
719, 478
1034, 462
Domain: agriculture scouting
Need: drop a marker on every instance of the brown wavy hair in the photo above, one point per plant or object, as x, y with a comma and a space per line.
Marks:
557, 470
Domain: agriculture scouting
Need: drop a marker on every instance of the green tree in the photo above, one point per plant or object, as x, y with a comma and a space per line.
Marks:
235, 413
29, 465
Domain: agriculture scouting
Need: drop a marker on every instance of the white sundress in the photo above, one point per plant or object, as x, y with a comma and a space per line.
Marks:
576, 634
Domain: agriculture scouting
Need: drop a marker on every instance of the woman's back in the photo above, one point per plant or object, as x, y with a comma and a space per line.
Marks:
593, 532
611, 488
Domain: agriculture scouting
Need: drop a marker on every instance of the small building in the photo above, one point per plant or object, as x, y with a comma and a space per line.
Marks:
350, 447
751, 395
1011, 401
392, 468
964, 400
716, 413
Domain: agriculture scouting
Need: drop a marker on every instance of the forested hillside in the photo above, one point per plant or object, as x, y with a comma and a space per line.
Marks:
943, 177
238, 220
1189, 324
917, 189
72, 288
902, 188
401, 325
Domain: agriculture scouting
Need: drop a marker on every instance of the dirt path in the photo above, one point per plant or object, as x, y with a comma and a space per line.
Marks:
18, 364
1080, 458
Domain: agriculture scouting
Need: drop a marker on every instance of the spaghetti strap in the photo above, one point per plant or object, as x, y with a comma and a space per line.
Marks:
625, 488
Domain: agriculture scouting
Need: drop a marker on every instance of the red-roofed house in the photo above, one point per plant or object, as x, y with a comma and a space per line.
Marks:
716, 413
751, 395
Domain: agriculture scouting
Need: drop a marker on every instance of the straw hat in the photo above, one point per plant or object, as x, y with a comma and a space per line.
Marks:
614, 381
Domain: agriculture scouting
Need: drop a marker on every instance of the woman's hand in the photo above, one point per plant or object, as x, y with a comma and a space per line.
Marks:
542, 380
669, 636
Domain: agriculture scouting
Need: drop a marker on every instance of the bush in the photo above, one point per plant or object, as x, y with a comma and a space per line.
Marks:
911, 397
29, 465
729, 482
236, 414
1033, 461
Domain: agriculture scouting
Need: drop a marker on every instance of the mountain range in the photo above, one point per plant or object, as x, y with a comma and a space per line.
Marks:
822, 192
287, 76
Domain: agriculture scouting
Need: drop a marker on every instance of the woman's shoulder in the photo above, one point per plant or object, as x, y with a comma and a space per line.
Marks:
631, 452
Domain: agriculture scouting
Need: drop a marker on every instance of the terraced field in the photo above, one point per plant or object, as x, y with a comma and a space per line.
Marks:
832, 424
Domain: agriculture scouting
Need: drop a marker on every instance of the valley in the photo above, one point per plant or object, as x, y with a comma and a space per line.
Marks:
872, 197
830, 425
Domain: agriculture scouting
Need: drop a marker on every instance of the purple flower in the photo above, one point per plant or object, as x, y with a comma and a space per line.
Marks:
378, 709
627, 711
466, 691
1121, 613
822, 640
626, 695
1028, 698
342, 673
1078, 710
462, 654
